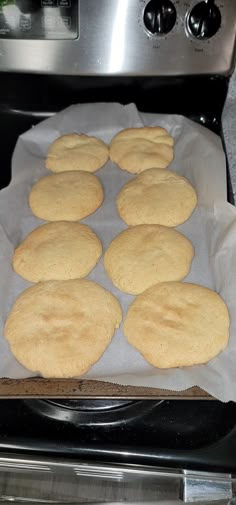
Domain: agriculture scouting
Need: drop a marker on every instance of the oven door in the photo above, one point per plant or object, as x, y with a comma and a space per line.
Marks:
44, 480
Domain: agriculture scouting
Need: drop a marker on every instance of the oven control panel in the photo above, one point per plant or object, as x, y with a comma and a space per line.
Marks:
118, 37
203, 20
39, 19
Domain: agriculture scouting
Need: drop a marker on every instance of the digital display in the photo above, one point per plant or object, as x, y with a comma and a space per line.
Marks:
39, 19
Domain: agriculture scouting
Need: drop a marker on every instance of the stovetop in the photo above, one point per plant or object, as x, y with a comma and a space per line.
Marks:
184, 434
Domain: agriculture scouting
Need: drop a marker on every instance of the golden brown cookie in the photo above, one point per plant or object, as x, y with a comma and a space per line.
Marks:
76, 152
61, 328
137, 149
57, 251
143, 255
176, 324
68, 196
156, 196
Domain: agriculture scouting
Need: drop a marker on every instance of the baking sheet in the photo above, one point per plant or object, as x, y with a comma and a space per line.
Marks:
212, 229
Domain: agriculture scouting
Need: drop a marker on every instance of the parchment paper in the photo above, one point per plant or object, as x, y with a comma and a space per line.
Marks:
212, 229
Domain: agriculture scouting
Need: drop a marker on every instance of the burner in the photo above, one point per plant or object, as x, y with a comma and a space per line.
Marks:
92, 411
91, 405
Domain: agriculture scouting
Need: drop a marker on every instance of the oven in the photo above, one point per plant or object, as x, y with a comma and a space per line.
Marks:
76, 441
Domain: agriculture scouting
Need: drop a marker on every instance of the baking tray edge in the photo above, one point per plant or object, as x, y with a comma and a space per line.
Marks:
82, 389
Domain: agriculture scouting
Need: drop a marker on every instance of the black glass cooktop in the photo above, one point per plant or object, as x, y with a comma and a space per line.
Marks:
181, 433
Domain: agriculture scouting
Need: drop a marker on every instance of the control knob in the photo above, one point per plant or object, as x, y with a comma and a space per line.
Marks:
204, 20
159, 16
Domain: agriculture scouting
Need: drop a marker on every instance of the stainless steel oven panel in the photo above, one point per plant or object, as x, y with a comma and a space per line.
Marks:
47, 480
113, 40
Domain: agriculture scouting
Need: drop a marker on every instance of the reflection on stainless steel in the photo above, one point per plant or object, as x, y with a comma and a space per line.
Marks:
33, 113
12, 15
54, 480
196, 488
113, 41
117, 47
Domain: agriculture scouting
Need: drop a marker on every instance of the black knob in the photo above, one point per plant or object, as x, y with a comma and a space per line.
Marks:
204, 20
159, 16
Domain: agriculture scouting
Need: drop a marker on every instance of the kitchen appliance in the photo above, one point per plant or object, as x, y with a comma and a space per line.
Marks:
167, 56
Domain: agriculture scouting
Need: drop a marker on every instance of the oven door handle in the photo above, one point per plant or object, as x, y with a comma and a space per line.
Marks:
27, 479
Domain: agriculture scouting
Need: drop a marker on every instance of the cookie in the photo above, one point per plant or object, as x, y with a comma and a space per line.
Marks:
137, 149
61, 328
68, 196
145, 255
176, 324
76, 152
57, 251
156, 196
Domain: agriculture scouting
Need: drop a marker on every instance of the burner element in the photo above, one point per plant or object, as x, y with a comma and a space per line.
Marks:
92, 412
91, 405
143, 426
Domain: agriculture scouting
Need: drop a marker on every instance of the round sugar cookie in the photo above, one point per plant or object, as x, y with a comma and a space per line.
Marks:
146, 254
137, 149
76, 152
176, 324
156, 196
68, 196
57, 251
61, 328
